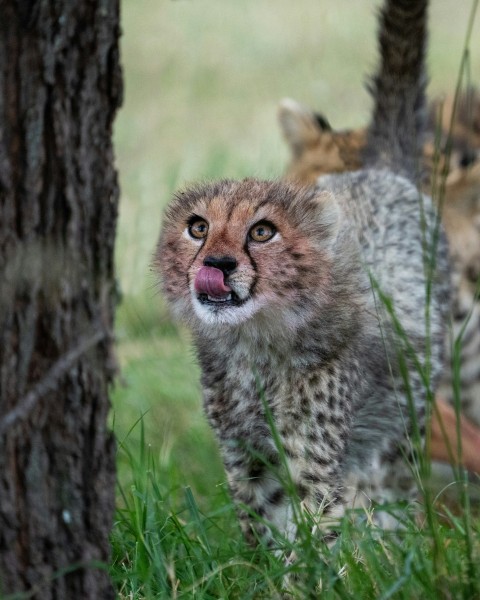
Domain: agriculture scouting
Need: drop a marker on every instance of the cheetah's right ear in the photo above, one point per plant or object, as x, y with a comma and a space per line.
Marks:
300, 125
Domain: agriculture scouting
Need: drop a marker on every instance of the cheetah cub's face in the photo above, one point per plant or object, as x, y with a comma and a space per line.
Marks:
231, 251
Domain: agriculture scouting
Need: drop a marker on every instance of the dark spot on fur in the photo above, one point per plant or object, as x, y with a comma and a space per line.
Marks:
276, 497
331, 536
302, 491
260, 511
337, 420
311, 477
303, 270
319, 459
305, 404
297, 255
256, 470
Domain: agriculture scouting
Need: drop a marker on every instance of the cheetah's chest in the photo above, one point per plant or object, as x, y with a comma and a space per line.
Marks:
254, 396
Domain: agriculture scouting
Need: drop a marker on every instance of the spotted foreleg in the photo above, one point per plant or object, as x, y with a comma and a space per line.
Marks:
258, 486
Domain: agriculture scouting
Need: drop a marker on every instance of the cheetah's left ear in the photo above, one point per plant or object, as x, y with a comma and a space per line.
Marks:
301, 127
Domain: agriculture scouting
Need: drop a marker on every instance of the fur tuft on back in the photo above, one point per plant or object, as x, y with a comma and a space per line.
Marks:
396, 132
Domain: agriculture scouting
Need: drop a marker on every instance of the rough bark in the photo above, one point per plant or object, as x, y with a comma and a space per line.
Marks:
60, 85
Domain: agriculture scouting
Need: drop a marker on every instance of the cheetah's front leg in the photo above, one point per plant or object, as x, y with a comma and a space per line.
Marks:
272, 492
259, 488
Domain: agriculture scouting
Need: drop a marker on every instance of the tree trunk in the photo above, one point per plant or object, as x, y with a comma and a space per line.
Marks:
60, 86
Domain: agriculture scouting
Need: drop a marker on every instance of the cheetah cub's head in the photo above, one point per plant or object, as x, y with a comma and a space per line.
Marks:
230, 252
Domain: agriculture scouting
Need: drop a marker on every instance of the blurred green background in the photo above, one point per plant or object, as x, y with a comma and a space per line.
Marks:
202, 82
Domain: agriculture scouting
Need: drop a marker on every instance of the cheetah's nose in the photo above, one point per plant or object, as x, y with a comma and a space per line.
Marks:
226, 264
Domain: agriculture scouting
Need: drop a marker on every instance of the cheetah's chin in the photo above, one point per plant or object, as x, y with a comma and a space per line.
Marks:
224, 312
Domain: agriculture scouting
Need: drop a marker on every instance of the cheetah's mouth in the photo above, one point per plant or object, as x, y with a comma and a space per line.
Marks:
229, 300
212, 290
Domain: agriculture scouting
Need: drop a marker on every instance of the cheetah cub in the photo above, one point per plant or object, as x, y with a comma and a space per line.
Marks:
285, 291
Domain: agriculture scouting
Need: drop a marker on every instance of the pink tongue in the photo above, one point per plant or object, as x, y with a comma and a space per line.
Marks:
209, 280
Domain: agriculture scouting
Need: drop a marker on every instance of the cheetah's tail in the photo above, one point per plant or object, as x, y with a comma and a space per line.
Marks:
395, 137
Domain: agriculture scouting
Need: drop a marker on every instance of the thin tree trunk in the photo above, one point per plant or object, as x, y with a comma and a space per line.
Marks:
60, 86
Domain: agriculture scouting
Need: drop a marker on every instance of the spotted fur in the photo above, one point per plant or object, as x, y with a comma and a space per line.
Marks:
318, 149
302, 337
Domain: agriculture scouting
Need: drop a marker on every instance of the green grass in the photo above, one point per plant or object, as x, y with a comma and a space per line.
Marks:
203, 79
167, 546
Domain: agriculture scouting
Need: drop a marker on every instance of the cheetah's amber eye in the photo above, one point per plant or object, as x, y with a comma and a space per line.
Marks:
198, 228
262, 232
